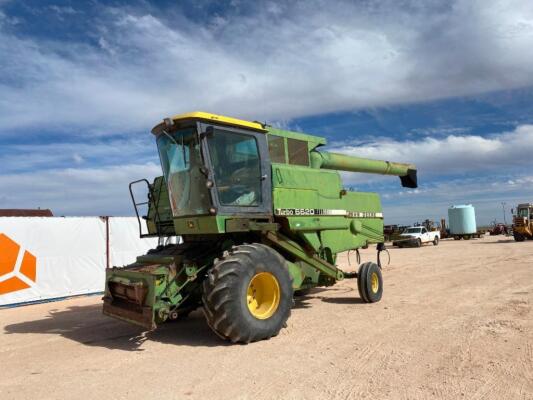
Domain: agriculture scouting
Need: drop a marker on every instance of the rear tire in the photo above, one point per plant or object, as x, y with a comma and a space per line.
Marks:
418, 242
436, 241
370, 282
361, 282
247, 294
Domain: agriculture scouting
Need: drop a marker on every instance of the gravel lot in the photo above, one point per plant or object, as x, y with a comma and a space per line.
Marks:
455, 322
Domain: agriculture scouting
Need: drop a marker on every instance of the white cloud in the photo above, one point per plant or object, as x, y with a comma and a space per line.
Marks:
76, 191
54, 155
281, 61
483, 171
62, 11
452, 154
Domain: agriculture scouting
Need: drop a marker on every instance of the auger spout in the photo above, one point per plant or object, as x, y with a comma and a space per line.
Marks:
342, 162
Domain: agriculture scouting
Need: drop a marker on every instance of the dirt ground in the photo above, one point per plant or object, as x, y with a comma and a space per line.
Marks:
455, 322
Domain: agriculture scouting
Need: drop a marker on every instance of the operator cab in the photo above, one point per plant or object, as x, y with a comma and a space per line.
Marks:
215, 165
525, 211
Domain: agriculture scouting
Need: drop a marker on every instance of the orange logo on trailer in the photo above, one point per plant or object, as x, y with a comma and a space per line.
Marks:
18, 270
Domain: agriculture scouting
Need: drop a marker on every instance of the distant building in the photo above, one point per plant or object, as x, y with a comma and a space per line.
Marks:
21, 212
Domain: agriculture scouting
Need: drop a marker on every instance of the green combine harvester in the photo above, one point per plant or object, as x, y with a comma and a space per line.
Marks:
262, 214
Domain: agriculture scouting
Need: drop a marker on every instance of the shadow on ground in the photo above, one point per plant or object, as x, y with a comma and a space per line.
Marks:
87, 325
343, 300
497, 242
303, 301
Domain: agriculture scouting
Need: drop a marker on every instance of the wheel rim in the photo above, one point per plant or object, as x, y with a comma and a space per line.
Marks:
374, 282
263, 295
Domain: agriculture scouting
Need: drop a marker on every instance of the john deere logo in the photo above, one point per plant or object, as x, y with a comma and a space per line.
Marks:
18, 267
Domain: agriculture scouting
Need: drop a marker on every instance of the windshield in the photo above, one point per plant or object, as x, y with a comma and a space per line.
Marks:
236, 168
180, 159
413, 230
523, 212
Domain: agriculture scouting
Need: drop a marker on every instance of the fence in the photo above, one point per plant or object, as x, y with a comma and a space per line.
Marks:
48, 258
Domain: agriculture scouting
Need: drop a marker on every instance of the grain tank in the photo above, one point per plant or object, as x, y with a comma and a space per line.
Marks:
462, 221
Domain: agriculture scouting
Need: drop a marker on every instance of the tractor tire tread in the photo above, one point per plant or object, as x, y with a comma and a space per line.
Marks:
224, 313
361, 281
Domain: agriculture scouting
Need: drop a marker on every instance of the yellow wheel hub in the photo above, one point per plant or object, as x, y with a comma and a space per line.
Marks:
374, 282
263, 295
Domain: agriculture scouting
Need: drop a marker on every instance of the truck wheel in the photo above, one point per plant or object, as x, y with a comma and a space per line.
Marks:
457, 238
436, 241
247, 294
370, 282
518, 237
418, 242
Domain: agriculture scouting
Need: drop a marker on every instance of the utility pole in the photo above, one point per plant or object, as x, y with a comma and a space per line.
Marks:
503, 207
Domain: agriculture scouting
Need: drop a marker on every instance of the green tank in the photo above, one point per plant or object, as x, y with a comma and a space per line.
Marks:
261, 214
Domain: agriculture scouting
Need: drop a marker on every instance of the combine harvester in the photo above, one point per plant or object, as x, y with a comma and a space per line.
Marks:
262, 213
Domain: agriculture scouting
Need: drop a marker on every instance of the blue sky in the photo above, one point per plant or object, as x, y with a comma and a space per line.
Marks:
444, 84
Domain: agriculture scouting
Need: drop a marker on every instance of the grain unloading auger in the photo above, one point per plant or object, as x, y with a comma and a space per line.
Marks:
261, 212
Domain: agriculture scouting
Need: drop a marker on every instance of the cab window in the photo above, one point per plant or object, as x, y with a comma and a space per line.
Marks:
236, 167
276, 148
298, 152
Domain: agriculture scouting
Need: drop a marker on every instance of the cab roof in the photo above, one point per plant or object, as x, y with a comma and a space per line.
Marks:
314, 141
208, 117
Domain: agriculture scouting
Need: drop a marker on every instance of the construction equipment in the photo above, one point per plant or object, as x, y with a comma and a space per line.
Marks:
498, 228
261, 212
523, 222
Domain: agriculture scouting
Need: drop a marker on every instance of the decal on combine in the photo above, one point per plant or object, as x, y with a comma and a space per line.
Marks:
18, 267
284, 212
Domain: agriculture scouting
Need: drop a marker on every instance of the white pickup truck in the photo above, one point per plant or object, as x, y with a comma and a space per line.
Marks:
417, 236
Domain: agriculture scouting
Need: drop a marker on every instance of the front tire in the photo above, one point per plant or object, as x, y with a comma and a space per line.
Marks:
247, 295
370, 282
436, 241
418, 242
518, 237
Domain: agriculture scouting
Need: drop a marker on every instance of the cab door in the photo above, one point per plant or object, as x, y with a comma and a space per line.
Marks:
239, 170
425, 235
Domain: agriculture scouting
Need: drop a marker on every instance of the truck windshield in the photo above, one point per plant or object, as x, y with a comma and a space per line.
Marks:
236, 168
179, 152
413, 230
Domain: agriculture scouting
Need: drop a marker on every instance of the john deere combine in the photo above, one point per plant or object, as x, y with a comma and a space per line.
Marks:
262, 213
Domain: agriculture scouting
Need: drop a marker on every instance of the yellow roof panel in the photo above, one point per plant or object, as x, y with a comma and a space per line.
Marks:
219, 118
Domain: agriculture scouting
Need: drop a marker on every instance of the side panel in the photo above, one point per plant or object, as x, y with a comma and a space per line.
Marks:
312, 203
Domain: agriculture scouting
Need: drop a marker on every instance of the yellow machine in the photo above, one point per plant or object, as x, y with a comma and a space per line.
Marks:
523, 222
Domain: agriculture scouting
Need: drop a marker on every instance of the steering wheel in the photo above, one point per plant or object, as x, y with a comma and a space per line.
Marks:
235, 177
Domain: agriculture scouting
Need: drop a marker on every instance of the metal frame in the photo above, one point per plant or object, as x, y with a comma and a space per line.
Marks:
157, 219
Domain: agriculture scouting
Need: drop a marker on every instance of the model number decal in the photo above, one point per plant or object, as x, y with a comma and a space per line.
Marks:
323, 212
